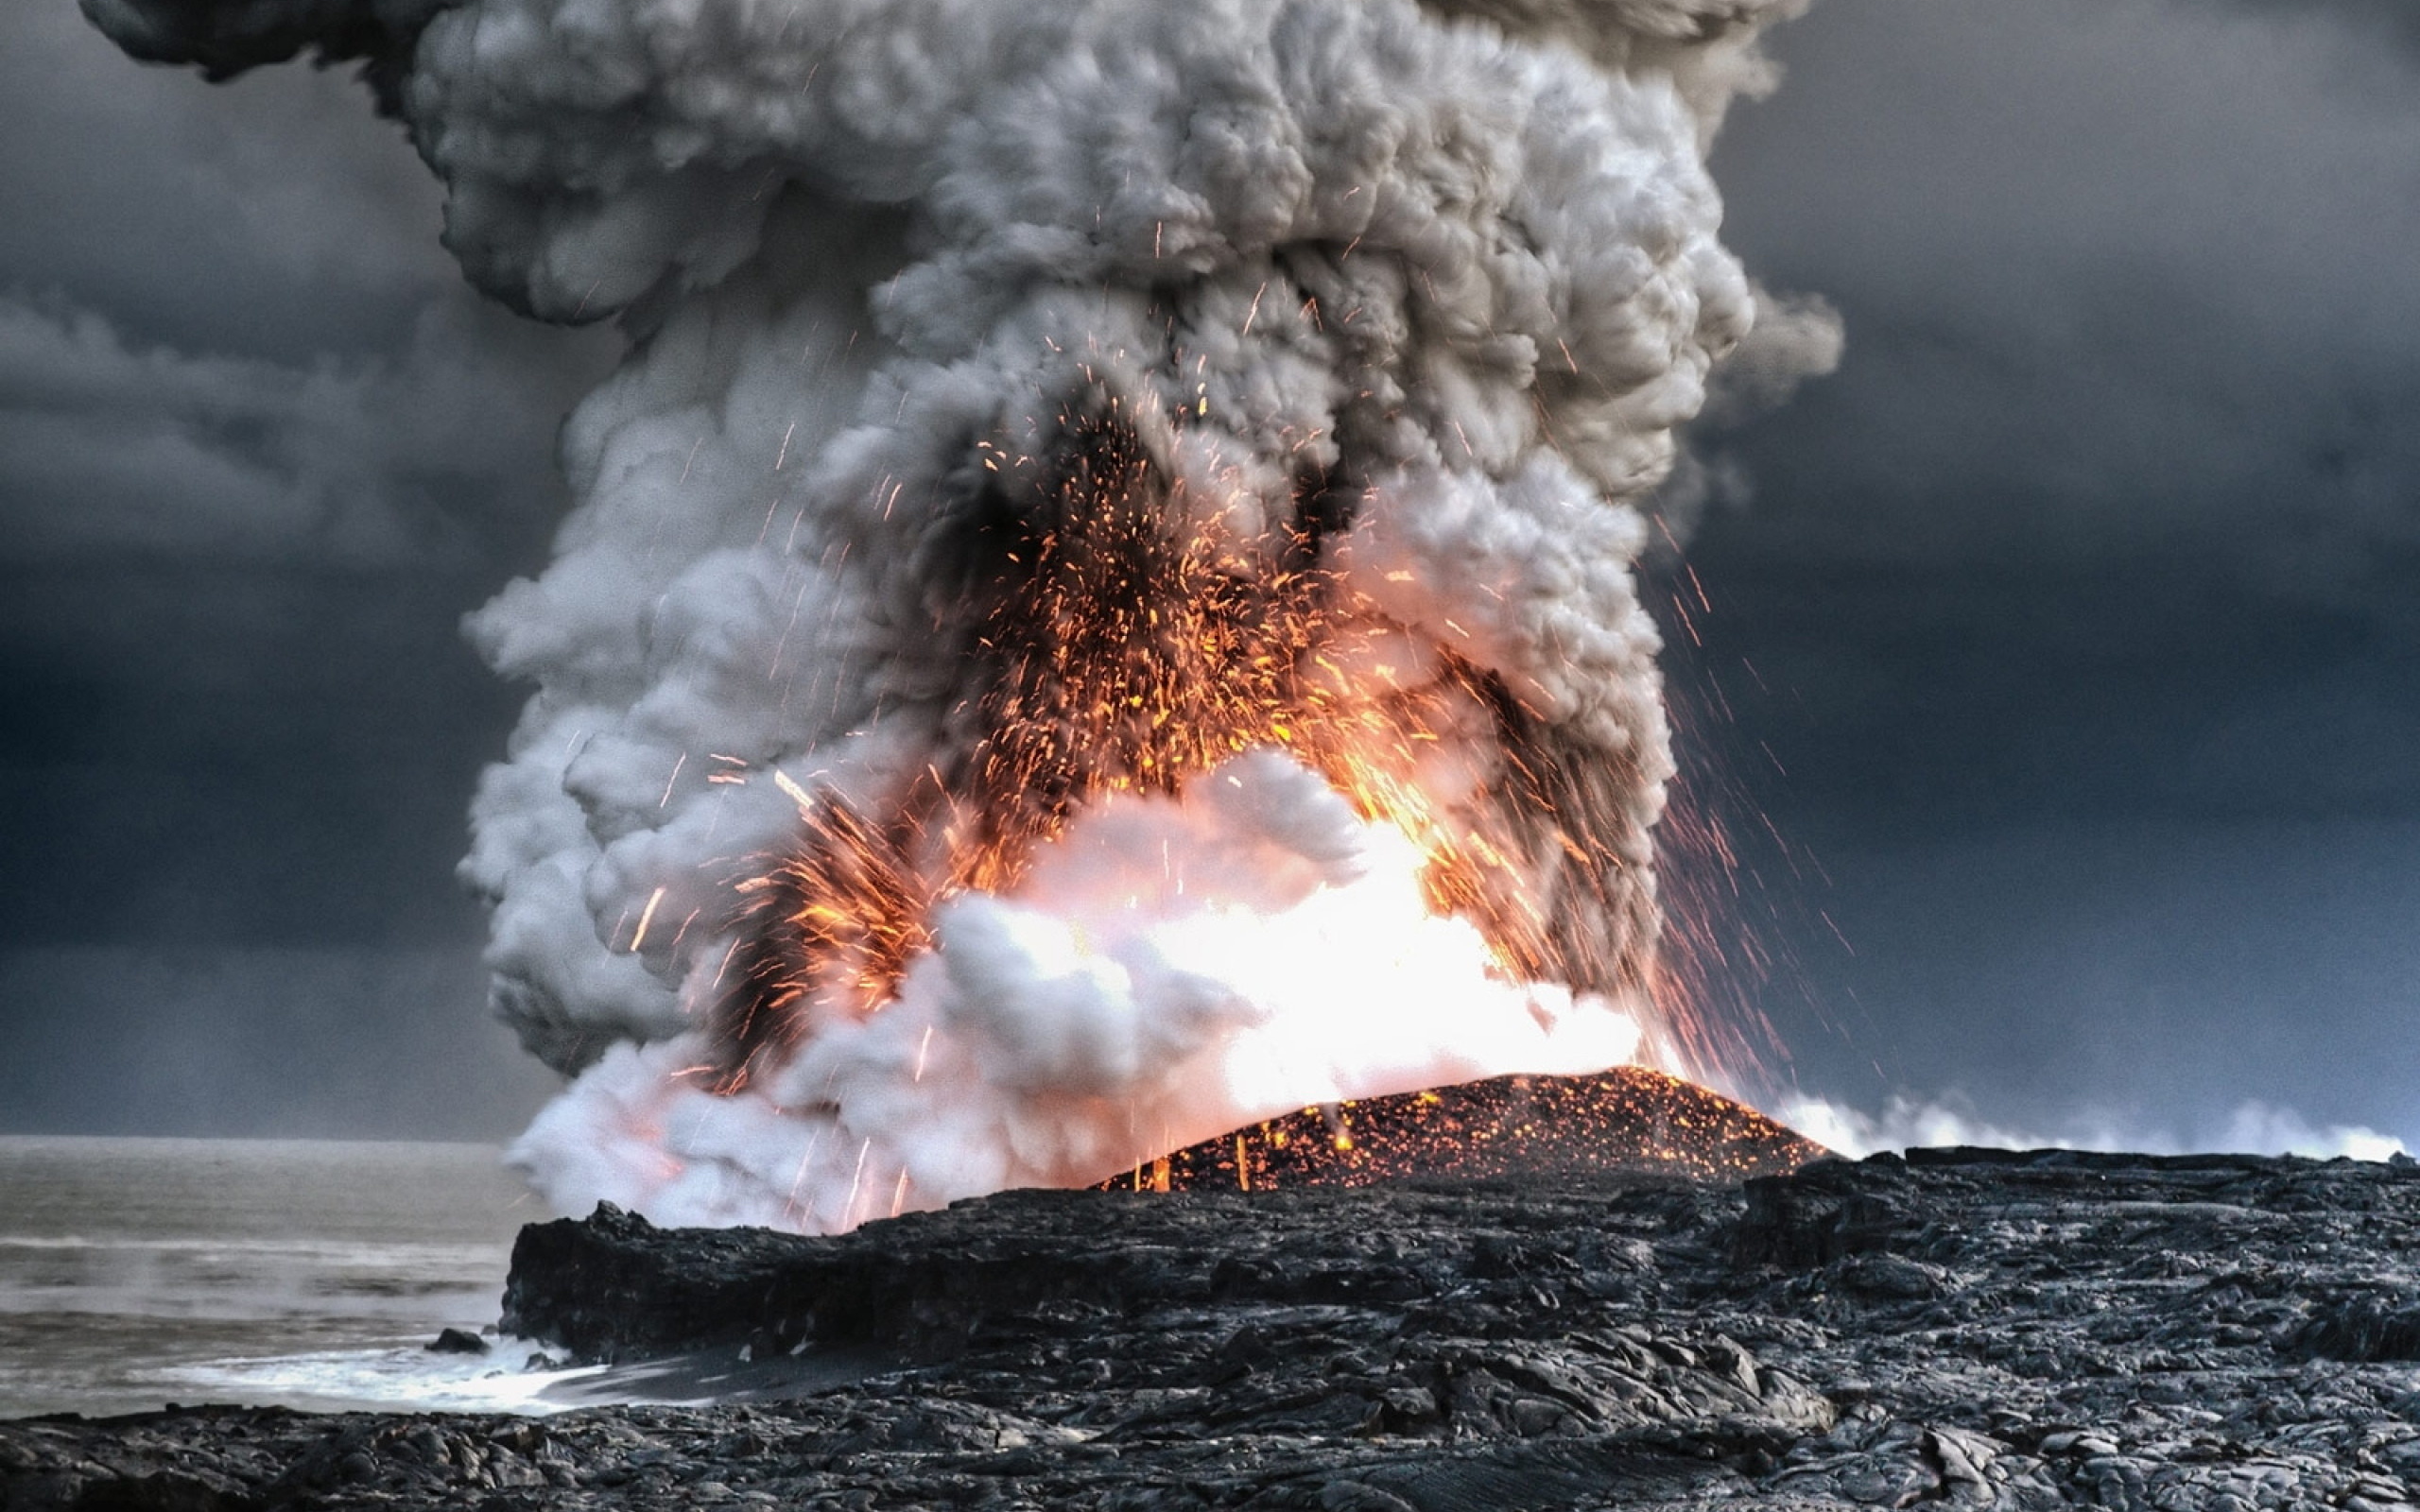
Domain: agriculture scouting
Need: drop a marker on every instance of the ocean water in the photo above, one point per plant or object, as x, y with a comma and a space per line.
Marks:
135, 1273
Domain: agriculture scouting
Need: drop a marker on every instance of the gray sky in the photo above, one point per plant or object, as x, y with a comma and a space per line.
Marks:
259, 451
2082, 598
2068, 639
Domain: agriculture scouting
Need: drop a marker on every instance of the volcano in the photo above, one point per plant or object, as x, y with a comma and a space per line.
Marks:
1626, 1119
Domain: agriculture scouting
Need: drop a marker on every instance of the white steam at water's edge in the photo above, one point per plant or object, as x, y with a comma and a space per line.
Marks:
2253, 1129
1456, 266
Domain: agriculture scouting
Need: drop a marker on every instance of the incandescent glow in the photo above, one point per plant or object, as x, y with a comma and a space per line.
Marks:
1164, 971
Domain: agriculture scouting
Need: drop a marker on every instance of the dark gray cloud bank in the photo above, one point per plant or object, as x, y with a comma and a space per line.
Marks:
259, 451
2067, 636
2079, 607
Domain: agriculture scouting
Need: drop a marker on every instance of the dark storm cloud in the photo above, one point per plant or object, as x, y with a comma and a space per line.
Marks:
2070, 635
230, 802
237, 755
226, 328
261, 1042
2114, 505
2126, 981
260, 450
2126, 276
431, 453
274, 217
2391, 21
1969, 695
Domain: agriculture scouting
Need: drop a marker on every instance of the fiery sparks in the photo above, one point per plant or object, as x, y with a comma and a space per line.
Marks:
1126, 643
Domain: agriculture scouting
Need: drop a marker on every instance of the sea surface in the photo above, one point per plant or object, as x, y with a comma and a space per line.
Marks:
134, 1273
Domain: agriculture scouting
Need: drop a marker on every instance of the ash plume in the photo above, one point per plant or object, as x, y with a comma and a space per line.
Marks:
1100, 605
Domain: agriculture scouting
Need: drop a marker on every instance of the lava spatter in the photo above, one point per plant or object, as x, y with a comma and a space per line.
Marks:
1626, 1119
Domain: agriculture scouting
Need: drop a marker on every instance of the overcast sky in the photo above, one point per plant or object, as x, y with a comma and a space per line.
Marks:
2083, 597
2068, 639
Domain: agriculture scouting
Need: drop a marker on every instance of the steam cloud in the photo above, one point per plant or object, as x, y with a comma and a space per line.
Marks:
2253, 1129
1374, 319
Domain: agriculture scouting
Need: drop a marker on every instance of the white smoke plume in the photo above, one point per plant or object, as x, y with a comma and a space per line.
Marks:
1906, 1123
1351, 336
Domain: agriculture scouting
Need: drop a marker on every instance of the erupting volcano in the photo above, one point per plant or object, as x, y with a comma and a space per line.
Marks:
1099, 610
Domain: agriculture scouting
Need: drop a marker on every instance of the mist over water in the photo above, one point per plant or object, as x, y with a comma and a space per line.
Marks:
136, 1272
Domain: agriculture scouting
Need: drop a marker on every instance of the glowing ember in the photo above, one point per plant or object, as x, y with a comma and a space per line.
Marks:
1624, 1119
1124, 643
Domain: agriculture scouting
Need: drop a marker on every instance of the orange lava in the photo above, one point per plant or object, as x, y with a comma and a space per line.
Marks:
1626, 1119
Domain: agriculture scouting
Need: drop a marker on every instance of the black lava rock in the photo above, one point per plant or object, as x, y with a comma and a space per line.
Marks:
2361, 1329
1963, 1328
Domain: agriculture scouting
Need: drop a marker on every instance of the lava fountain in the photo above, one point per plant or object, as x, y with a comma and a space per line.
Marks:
1100, 608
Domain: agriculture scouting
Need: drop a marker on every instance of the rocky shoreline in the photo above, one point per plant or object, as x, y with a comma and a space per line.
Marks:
1960, 1328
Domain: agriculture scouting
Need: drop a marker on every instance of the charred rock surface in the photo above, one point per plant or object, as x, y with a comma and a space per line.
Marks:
1960, 1329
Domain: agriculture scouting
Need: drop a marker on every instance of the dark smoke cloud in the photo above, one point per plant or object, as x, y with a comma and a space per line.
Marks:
225, 40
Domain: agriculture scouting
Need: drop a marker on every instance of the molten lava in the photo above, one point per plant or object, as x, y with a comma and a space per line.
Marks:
1625, 1119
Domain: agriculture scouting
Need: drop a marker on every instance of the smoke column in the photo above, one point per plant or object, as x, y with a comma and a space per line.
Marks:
1100, 605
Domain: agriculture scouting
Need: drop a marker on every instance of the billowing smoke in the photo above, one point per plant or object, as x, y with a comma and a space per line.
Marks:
1100, 607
